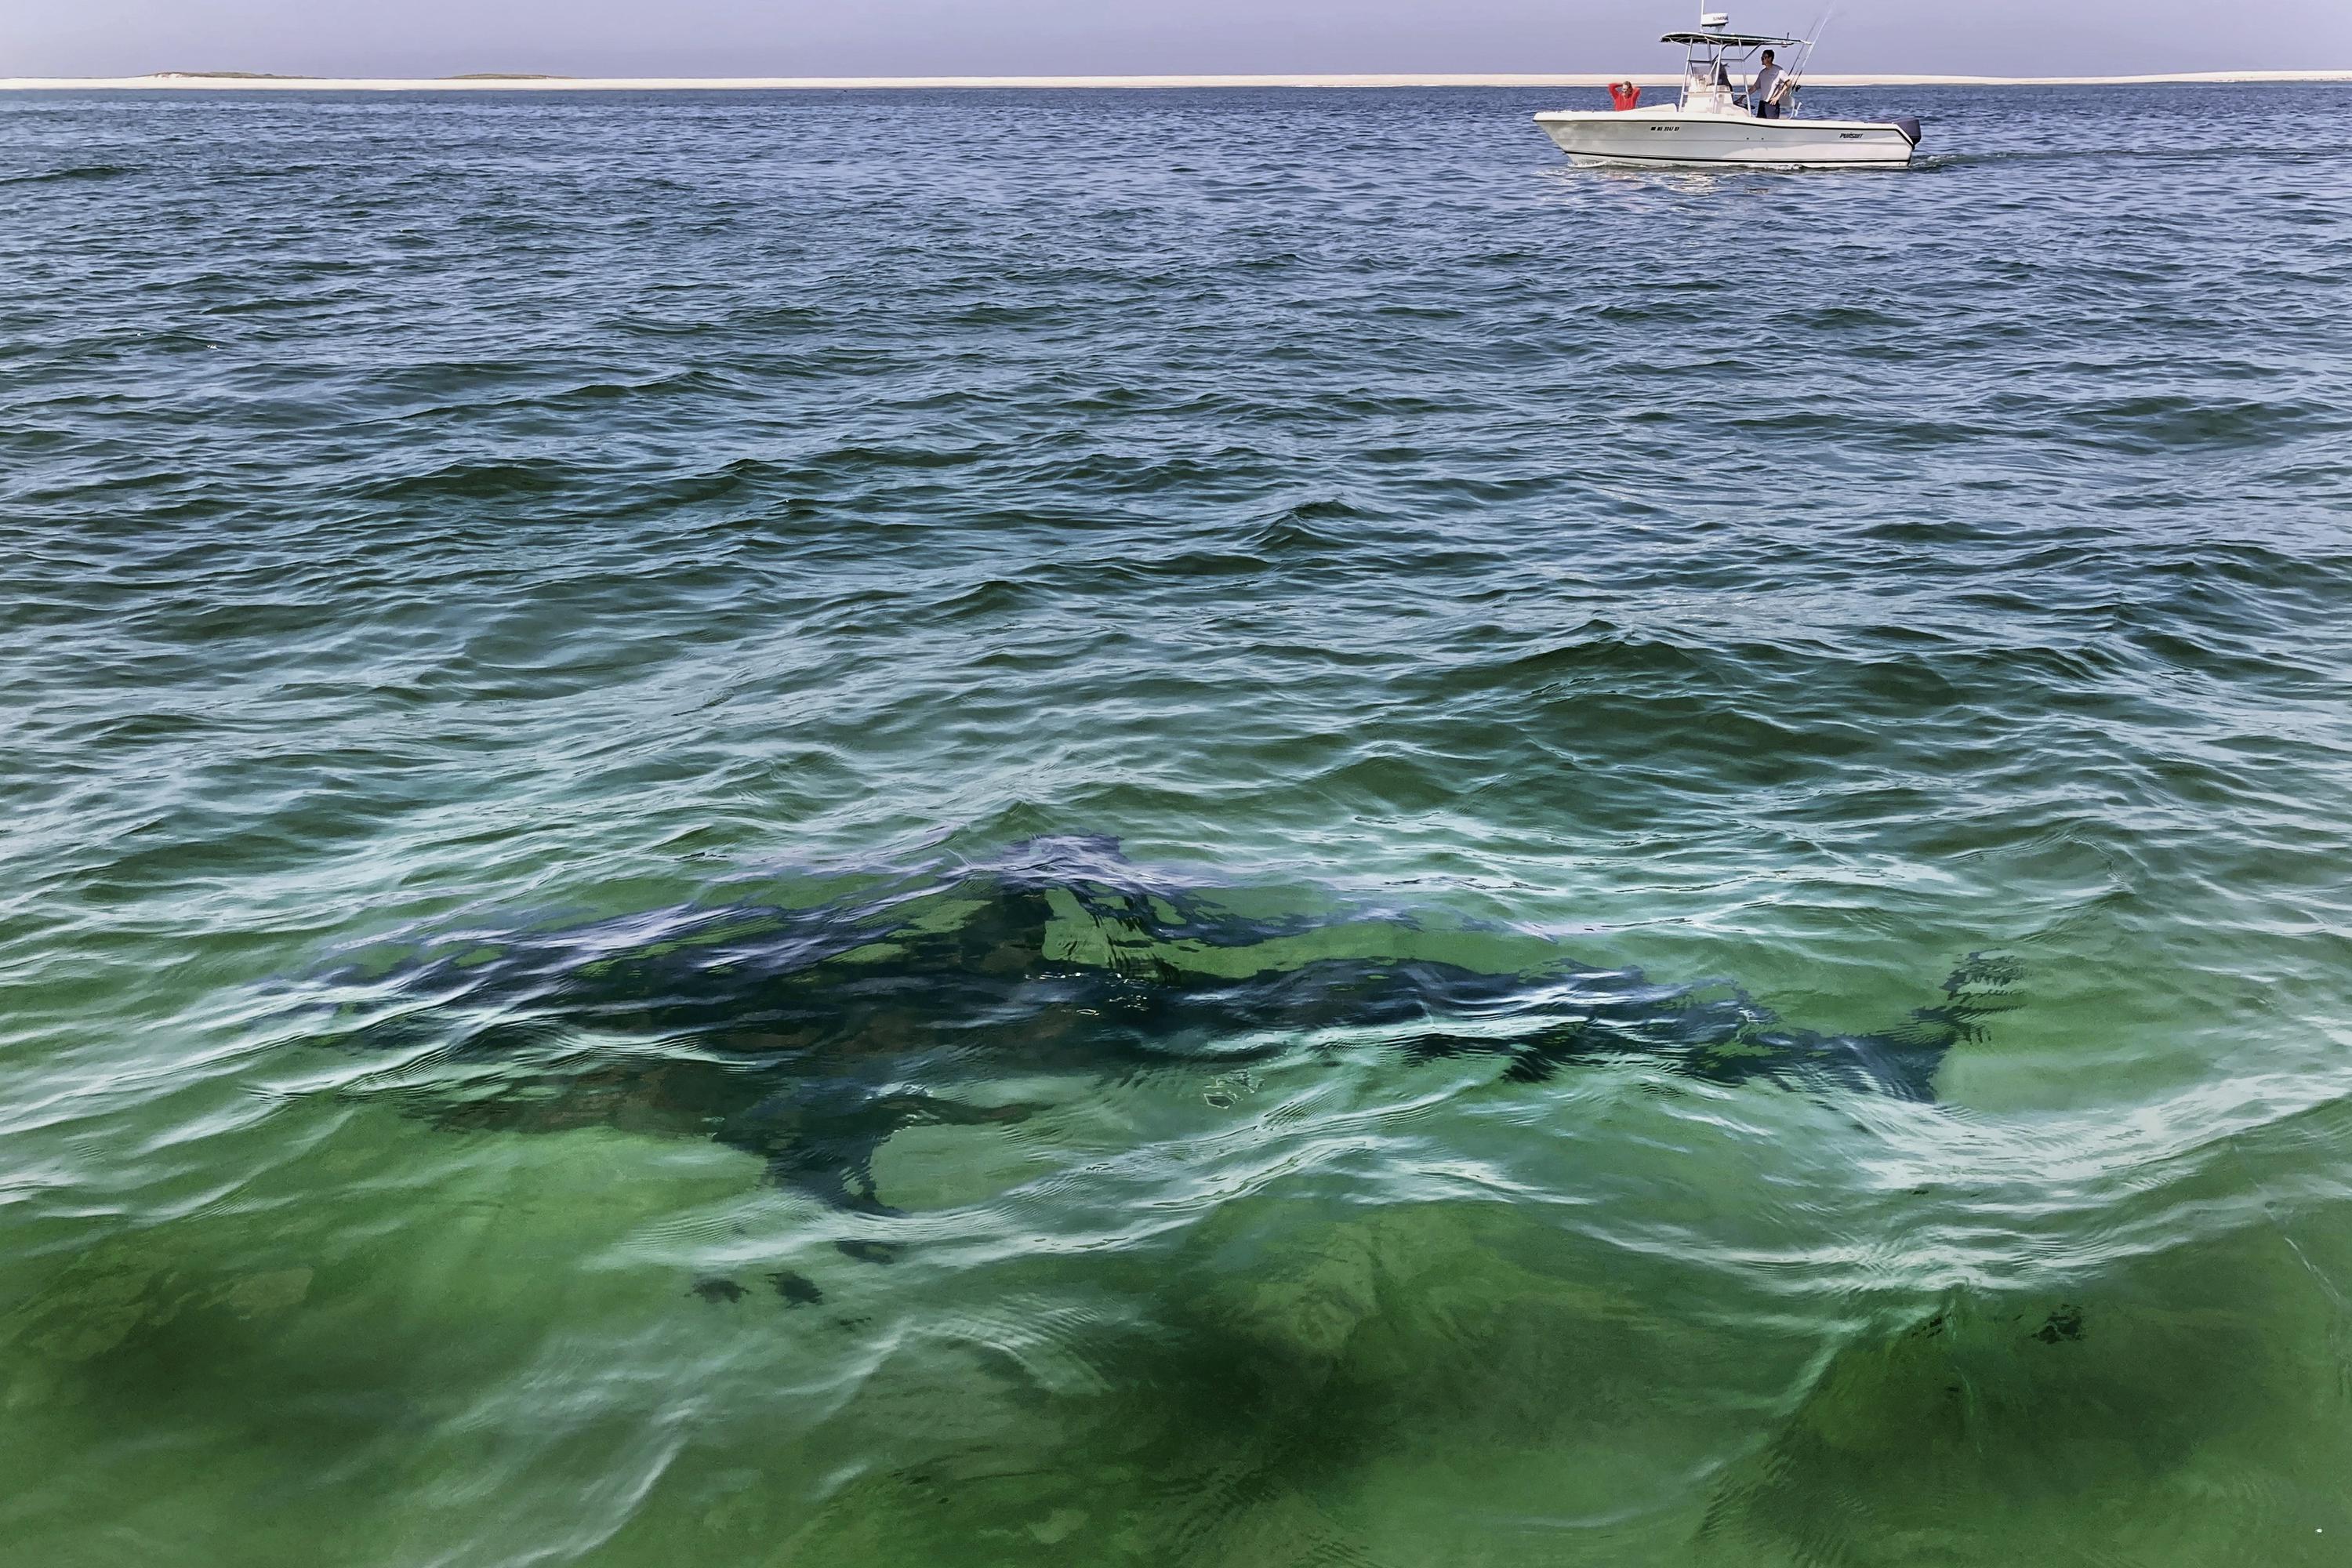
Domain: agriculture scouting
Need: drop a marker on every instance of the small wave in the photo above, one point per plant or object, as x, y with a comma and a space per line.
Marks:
1306, 529
1607, 651
2171, 421
487, 481
78, 172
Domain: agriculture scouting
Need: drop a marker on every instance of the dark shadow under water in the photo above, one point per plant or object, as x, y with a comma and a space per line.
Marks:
807, 1036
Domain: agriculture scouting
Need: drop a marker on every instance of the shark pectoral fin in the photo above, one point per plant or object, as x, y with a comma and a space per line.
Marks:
838, 1173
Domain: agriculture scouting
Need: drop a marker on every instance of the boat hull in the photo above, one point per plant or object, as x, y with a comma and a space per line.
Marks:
1668, 136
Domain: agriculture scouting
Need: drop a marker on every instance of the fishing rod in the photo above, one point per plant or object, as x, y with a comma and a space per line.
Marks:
1804, 61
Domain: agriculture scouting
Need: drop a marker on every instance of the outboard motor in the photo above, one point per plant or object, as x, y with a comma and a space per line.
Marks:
1909, 126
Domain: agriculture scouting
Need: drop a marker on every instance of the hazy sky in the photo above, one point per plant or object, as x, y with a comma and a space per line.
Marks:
883, 37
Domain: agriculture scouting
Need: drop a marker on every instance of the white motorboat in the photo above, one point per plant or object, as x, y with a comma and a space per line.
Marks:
1724, 115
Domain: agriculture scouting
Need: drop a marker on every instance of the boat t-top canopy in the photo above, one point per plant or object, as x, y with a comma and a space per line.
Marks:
1715, 67
1731, 40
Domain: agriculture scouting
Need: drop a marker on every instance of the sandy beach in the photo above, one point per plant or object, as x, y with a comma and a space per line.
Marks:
203, 83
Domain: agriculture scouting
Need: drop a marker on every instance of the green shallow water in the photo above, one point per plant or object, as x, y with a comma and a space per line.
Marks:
1146, 828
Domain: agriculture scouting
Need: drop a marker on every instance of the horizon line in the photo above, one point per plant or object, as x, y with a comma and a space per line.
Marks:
218, 82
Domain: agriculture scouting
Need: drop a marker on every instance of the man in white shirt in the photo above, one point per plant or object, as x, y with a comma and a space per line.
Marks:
1764, 92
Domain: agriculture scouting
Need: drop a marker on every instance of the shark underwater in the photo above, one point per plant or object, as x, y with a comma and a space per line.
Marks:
808, 1037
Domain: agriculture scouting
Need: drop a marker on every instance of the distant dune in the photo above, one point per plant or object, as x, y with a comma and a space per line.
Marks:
503, 81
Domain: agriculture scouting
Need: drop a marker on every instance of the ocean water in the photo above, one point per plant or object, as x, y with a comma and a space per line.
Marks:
1173, 827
